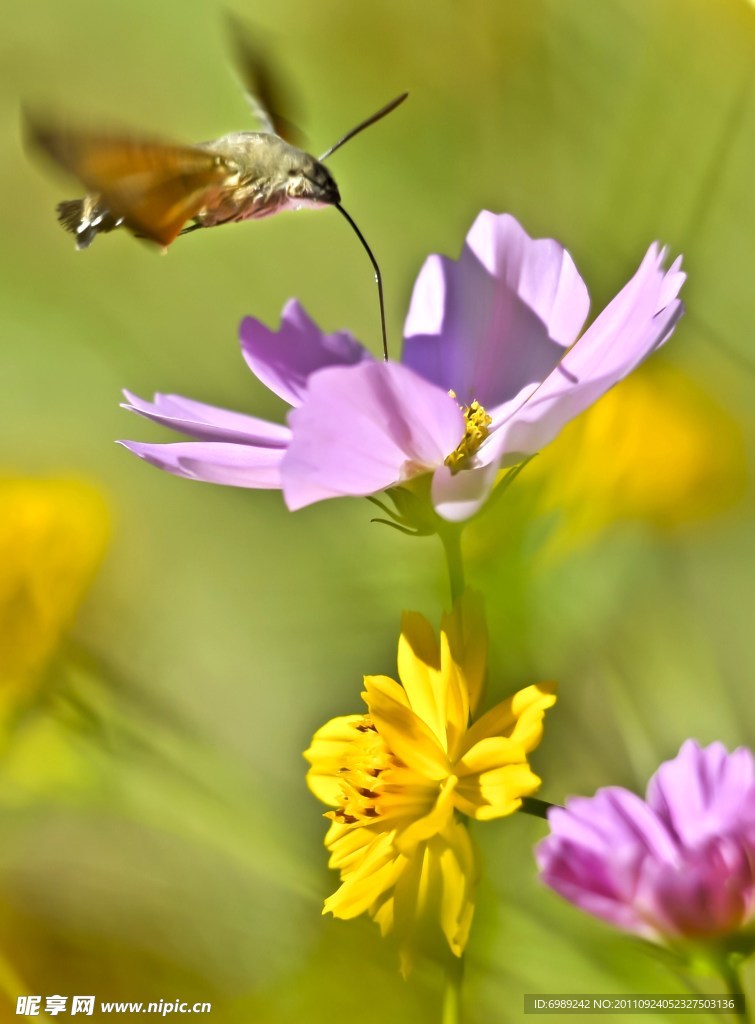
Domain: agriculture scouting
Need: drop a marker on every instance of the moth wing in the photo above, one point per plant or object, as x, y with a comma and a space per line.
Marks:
265, 92
154, 186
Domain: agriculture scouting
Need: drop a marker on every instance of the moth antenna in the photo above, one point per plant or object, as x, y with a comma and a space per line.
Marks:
376, 268
365, 124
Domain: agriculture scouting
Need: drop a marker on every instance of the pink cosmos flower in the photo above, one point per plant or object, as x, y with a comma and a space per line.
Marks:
493, 367
678, 865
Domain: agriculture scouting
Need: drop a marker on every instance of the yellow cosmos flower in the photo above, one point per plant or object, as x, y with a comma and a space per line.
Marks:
52, 537
401, 776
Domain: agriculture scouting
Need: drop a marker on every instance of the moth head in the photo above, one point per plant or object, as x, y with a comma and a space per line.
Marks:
310, 183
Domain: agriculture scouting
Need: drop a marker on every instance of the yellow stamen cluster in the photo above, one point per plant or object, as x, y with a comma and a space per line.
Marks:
476, 422
364, 762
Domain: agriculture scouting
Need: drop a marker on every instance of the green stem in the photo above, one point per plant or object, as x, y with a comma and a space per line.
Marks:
537, 808
452, 994
450, 537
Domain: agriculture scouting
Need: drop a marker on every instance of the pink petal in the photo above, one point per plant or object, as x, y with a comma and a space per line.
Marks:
214, 462
596, 850
589, 882
613, 819
499, 318
208, 422
705, 792
457, 496
709, 893
285, 359
362, 429
638, 320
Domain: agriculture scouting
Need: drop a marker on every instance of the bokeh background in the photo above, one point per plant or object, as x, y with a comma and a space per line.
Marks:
168, 648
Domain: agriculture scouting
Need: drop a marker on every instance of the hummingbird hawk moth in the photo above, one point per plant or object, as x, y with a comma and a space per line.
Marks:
159, 190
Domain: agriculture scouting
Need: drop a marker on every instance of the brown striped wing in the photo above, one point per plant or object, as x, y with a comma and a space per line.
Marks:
156, 187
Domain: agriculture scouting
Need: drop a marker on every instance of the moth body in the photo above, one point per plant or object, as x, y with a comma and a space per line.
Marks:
270, 176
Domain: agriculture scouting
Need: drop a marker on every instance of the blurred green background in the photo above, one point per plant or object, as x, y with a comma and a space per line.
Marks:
158, 838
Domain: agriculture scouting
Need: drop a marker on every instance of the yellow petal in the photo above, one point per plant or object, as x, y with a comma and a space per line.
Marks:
455, 698
418, 670
493, 777
347, 844
377, 871
529, 707
496, 793
520, 717
443, 678
388, 686
404, 732
382, 913
433, 900
401, 796
490, 753
459, 870
417, 643
329, 752
467, 636
431, 824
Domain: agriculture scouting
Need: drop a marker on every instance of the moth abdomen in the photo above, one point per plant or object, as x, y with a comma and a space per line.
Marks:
86, 218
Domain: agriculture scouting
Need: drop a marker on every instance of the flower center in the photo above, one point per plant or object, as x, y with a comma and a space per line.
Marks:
476, 423
364, 760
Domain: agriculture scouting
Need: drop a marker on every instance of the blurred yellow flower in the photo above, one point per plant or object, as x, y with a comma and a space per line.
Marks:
52, 537
655, 449
400, 776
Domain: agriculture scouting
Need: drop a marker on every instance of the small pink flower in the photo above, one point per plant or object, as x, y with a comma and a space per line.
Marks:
493, 367
678, 865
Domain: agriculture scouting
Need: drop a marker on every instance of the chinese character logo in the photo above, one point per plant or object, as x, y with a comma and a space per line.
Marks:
55, 1005
28, 1006
82, 1004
